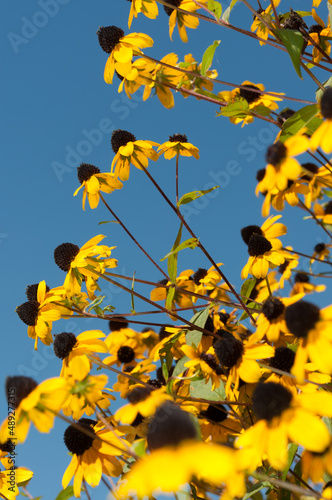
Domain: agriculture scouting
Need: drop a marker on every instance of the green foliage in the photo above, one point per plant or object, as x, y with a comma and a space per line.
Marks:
193, 195
193, 337
208, 57
304, 118
190, 243
215, 8
238, 109
227, 13
293, 42
66, 493
172, 261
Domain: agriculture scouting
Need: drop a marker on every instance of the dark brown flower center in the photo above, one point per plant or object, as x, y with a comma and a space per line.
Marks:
272, 308
178, 138
301, 278
109, 37
248, 94
211, 361
199, 275
228, 350
138, 394
284, 115
276, 153
315, 28
260, 174
126, 354
215, 414
283, 359
169, 10
248, 231
121, 138
28, 312
301, 317
117, 323
258, 245
270, 400
326, 103
18, 388
31, 291
163, 333
76, 440
64, 254
85, 171
328, 208
319, 247
63, 344
169, 426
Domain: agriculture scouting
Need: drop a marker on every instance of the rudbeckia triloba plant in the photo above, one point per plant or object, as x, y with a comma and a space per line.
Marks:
198, 385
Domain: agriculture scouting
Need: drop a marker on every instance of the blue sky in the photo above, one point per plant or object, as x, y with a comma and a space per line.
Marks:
58, 111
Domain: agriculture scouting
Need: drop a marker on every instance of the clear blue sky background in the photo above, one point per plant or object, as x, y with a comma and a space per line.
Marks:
53, 97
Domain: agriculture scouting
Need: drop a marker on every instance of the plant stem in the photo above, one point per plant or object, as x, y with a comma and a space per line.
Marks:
314, 216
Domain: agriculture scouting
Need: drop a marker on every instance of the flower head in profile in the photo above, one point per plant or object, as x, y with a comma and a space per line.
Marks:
121, 49
144, 400
319, 34
148, 7
164, 78
93, 453
74, 351
283, 416
312, 326
93, 182
33, 403
128, 151
194, 83
180, 19
203, 362
324, 213
39, 313
259, 27
81, 264
177, 145
11, 477
302, 285
321, 251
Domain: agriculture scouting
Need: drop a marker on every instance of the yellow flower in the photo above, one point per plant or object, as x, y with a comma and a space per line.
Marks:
129, 151
318, 32
321, 251
195, 83
33, 403
85, 394
182, 20
312, 326
282, 417
205, 362
80, 263
74, 352
93, 453
12, 477
180, 298
40, 313
322, 137
240, 358
142, 399
163, 79
141, 74
93, 181
314, 465
282, 167
125, 384
148, 7
259, 27
177, 145
302, 285
217, 423
121, 49
213, 464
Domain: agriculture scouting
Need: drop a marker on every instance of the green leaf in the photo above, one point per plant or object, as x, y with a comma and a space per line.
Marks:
98, 300
326, 84
169, 297
256, 488
66, 493
139, 447
304, 117
193, 195
208, 57
208, 94
132, 295
292, 449
199, 319
200, 389
226, 14
172, 262
298, 472
179, 367
220, 391
251, 305
293, 42
247, 287
328, 422
190, 243
107, 222
215, 8
238, 108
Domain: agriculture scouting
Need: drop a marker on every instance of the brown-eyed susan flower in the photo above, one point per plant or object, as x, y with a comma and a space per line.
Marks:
286, 269
240, 359
321, 251
211, 463
259, 27
312, 326
80, 263
302, 285
141, 74
322, 137
253, 94
74, 352
177, 145
180, 298
148, 7
11, 477
33, 403
314, 465
130, 151
206, 279
324, 213
195, 83
319, 34
121, 49
92, 454
126, 353
85, 395
182, 20
142, 399
283, 416
281, 166
271, 322
163, 79
204, 362
139, 372
216, 423
39, 314
93, 181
